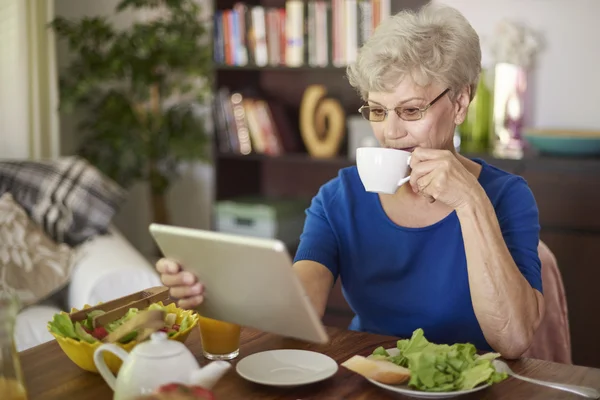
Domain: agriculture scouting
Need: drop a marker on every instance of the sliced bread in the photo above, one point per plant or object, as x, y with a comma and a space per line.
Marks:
379, 370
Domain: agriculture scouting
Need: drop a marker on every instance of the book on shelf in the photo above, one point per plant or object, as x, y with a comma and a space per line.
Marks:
252, 125
316, 33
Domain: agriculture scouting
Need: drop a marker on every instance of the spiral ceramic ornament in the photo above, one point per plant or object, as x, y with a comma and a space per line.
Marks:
322, 122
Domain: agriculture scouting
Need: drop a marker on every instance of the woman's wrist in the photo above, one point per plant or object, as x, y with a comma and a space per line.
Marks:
476, 201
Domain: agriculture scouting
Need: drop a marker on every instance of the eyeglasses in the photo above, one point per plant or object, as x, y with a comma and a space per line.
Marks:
379, 114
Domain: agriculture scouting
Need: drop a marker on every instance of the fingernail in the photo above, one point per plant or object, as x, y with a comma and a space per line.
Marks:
196, 289
172, 268
188, 278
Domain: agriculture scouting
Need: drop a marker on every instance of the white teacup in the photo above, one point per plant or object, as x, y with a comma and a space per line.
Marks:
382, 170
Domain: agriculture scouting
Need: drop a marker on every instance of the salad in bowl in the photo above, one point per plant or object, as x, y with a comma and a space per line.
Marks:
79, 339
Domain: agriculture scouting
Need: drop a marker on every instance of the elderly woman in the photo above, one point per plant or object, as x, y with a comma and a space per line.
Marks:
455, 251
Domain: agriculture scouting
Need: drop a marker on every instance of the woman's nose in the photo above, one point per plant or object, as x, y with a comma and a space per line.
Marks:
393, 128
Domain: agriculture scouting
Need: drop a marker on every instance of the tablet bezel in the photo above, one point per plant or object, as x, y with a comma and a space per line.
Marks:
266, 295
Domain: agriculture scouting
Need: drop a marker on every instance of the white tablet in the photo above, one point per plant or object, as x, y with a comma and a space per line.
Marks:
248, 281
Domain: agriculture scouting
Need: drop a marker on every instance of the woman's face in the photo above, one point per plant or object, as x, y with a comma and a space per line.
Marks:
435, 130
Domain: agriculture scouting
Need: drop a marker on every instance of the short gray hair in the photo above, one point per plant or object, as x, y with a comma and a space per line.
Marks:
435, 44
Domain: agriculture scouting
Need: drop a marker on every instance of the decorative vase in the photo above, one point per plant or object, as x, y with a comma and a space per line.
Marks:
475, 130
510, 86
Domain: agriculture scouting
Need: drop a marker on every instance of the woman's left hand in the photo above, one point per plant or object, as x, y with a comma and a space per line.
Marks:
439, 175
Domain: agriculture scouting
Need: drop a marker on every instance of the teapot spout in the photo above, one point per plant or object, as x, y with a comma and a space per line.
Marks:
209, 375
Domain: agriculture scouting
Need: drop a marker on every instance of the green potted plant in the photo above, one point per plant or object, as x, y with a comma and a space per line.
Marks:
138, 91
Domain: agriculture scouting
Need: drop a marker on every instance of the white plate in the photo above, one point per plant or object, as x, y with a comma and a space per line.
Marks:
286, 367
407, 391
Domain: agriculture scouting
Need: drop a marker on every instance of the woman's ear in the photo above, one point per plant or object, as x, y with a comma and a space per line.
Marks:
463, 100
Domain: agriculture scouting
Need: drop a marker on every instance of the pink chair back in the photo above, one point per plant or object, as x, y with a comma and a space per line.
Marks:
552, 341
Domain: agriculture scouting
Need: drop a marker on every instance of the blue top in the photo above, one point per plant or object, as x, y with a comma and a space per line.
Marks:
398, 279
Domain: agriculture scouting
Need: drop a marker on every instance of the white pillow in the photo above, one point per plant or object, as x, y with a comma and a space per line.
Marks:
30, 329
109, 267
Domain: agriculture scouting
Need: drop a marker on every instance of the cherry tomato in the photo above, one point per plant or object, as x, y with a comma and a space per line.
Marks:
100, 332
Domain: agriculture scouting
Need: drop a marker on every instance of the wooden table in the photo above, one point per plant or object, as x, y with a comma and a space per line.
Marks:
51, 375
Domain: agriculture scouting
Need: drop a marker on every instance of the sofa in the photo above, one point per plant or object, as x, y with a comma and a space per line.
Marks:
59, 248
107, 268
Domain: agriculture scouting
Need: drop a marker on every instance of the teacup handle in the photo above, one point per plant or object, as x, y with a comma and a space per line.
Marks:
403, 181
406, 179
106, 373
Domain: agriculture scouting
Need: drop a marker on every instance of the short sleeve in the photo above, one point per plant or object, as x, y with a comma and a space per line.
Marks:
518, 217
318, 241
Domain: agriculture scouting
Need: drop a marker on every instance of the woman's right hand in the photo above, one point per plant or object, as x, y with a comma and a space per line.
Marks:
183, 285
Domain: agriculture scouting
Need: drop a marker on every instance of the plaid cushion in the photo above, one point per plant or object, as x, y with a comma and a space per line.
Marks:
69, 198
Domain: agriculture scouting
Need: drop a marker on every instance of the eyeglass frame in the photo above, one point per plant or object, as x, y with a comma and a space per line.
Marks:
387, 110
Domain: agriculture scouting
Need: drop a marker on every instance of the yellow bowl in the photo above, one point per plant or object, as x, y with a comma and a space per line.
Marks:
82, 353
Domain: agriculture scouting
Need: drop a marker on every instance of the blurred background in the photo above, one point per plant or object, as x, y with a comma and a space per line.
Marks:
229, 115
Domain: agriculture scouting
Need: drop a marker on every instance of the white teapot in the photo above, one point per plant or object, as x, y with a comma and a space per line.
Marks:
154, 363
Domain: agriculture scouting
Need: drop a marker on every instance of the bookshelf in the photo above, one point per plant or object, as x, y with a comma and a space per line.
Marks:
294, 173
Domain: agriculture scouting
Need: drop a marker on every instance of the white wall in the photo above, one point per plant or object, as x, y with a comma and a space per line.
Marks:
566, 81
28, 118
190, 198
14, 108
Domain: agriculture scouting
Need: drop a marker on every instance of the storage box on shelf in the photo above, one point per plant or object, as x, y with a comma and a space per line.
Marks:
281, 219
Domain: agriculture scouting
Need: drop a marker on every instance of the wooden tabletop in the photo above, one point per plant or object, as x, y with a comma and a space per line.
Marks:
51, 375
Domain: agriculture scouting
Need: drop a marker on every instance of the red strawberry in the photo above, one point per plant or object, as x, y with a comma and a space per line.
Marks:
100, 332
202, 393
198, 392
168, 388
175, 327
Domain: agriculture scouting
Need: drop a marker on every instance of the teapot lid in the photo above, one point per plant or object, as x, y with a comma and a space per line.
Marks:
159, 346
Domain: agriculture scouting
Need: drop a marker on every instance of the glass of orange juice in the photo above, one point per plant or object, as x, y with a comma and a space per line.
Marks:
220, 340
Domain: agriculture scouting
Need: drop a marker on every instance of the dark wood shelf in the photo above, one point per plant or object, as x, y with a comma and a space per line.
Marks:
575, 164
287, 158
303, 68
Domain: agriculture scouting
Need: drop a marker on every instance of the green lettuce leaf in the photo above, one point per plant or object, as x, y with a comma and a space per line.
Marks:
185, 323
441, 367
156, 306
82, 334
62, 325
115, 324
129, 337
89, 321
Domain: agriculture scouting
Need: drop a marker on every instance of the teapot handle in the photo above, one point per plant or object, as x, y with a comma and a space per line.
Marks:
106, 373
